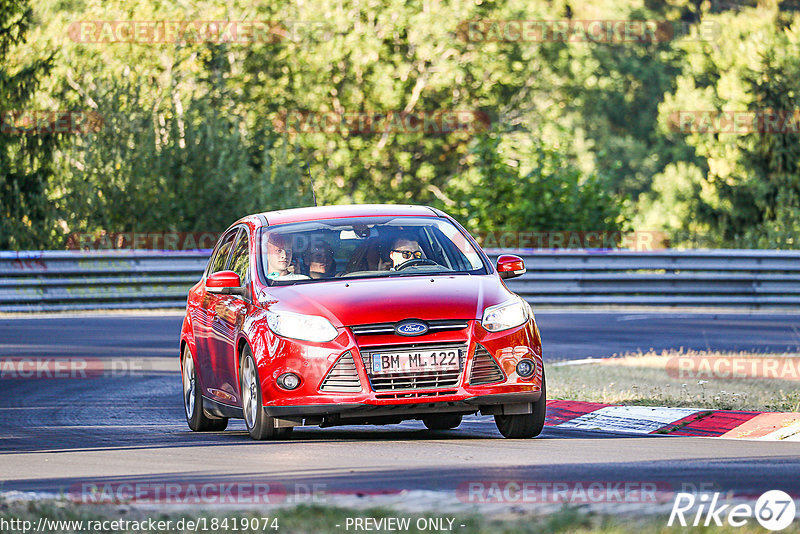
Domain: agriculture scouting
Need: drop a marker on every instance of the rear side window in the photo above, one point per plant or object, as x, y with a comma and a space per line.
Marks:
241, 257
218, 261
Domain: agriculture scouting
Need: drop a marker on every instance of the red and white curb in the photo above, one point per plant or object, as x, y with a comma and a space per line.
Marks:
763, 426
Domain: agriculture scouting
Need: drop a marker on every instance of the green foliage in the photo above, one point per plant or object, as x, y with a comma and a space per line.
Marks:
519, 183
612, 91
25, 160
670, 205
192, 168
399, 56
187, 143
748, 194
579, 140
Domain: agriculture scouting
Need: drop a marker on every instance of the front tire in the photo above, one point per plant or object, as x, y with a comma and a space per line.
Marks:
527, 425
260, 425
442, 421
193, 399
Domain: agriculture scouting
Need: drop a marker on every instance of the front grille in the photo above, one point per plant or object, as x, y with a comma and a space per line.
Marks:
484, 368
416, 394
412, 381
439, 325
343, 376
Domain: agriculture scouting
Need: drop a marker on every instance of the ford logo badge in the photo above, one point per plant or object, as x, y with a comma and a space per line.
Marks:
411, 328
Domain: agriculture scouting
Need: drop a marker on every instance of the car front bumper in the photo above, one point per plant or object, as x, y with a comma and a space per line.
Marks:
492, 403
313, 362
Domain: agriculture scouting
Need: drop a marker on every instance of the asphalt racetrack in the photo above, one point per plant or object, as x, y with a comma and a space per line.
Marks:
56, 434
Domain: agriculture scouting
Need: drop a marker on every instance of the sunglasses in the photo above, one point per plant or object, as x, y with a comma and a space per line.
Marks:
408, 254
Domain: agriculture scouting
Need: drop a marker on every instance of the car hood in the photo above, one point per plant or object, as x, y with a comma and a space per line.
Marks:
350, 302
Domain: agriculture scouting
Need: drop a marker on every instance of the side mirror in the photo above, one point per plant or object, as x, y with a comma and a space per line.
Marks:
509, 266
225, 283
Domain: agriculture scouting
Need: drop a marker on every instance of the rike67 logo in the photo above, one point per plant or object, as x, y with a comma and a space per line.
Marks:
774, 510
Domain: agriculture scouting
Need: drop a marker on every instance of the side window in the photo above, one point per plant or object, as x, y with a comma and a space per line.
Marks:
218, 261
240, 260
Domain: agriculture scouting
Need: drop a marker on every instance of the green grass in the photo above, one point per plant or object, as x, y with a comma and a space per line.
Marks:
642, 379
323, 519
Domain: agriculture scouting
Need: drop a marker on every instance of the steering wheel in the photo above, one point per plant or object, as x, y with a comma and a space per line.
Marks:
415, 261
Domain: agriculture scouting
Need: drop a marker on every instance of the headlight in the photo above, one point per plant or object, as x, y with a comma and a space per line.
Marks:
298, 326
506, 315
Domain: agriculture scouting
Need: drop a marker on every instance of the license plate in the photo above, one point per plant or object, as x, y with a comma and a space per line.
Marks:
417, 361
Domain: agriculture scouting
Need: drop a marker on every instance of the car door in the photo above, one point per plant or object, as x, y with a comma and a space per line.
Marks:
230, 312
204, 330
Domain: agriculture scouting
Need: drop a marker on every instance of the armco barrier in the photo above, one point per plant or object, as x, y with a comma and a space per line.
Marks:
747, 278
56, 280
53, 280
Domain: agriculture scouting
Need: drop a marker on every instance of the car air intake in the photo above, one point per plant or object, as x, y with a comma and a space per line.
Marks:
343, 376
388, 328
484, 368
414, 380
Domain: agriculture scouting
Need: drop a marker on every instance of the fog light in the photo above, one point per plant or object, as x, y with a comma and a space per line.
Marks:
525, 368
289, 381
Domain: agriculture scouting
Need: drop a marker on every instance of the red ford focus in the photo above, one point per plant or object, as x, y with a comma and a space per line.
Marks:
369, 314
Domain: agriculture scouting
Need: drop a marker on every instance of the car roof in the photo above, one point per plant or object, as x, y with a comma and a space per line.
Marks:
317, 213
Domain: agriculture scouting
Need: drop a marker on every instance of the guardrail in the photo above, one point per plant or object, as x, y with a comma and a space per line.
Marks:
54, 280
750, 278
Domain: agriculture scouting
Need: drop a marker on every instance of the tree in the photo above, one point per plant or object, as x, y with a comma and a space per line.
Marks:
26, 158
401, 57
204, 122
745, 191
520, 183
184, 165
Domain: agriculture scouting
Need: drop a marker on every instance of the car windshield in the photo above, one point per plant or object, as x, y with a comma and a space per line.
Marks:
364, 248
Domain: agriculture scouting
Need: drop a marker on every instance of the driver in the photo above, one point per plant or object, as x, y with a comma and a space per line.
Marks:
403, 250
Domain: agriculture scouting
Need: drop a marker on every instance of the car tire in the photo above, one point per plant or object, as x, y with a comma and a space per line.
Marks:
193, 399
260, 425
444, 421
527, 425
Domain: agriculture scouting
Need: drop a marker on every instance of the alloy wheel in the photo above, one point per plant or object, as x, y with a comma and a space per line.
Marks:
249, 392
188, 385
